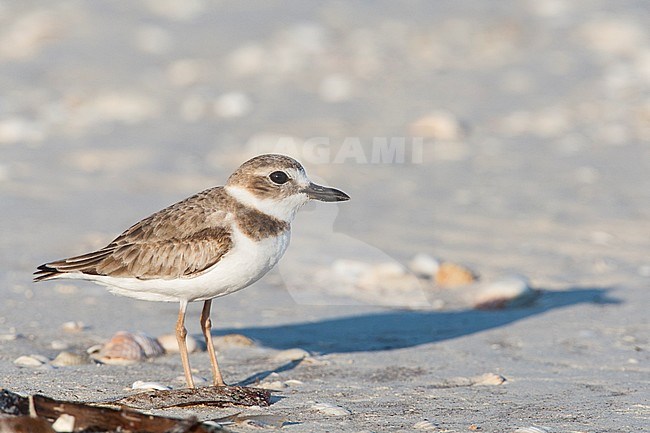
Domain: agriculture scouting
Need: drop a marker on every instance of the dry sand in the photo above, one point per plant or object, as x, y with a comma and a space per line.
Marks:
535, 160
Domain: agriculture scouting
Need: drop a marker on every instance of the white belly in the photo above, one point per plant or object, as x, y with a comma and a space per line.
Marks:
246, 263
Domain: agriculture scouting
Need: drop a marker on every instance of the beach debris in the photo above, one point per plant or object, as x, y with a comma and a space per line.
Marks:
10, 336
276, 385
36, 414
139, 384
64, 423
25, 423
74, 326
331, 409
425, 425
233, 340
349, 270
289, 355
533, 429
64, 359
30, 361
169, 343
451, 275
254, 421
128, 348
486, 379
424, 266
508, 292
59, 345
216, 396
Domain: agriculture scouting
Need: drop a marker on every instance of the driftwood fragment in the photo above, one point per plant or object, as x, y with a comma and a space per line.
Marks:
45, 411
219, 396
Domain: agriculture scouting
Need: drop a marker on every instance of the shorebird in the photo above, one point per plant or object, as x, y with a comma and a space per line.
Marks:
211, 244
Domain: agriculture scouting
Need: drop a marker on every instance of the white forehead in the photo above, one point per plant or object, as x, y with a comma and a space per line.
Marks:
298, 175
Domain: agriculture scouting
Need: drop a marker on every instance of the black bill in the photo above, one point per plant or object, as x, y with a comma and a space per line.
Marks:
324, 193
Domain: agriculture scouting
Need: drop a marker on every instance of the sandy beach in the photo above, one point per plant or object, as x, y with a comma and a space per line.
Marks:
508, 138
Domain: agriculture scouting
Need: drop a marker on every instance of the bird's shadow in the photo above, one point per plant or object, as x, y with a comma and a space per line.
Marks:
403, 328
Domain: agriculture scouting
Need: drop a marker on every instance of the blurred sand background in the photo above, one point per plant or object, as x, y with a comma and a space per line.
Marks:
534, 122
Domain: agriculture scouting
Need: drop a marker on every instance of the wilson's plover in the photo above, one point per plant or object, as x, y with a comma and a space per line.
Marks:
211, 244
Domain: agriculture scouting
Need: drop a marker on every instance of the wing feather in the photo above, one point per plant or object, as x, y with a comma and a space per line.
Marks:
180, 241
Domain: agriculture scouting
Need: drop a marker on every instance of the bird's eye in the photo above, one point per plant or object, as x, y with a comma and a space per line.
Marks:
279, 177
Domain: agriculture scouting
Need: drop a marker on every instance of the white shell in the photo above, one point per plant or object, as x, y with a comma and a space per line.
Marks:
331, 409
139, 384
29, 361
288, 355
73, 326
276, 385
64, 423
507, 292
533, 429
423, 265
425, 425
488, 379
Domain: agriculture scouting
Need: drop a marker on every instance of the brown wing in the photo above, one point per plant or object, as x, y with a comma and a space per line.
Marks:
180, 241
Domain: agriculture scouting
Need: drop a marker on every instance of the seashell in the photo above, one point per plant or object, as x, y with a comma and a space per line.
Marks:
64, 423
533, 429
169, 343
150, 345
234, 340
488, 379
128, 348
276, 385
289, 355
73, 326
331, 409
349, 270
120, 350
139, 384
59, 345
513, 291
424, 266
95, 348
293, 382
425, 425
30, 361
453, 275
8, 337
64, 359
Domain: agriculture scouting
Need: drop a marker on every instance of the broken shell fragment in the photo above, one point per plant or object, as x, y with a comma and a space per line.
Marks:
453, 275
65, 359
508, 292
424, 266
425, 425
331, 409
73, 326
29, 361
140, 384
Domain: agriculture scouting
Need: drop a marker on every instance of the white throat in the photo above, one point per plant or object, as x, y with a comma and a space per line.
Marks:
283, 209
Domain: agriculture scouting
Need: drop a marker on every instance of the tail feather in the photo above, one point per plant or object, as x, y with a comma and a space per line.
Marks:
45, 272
